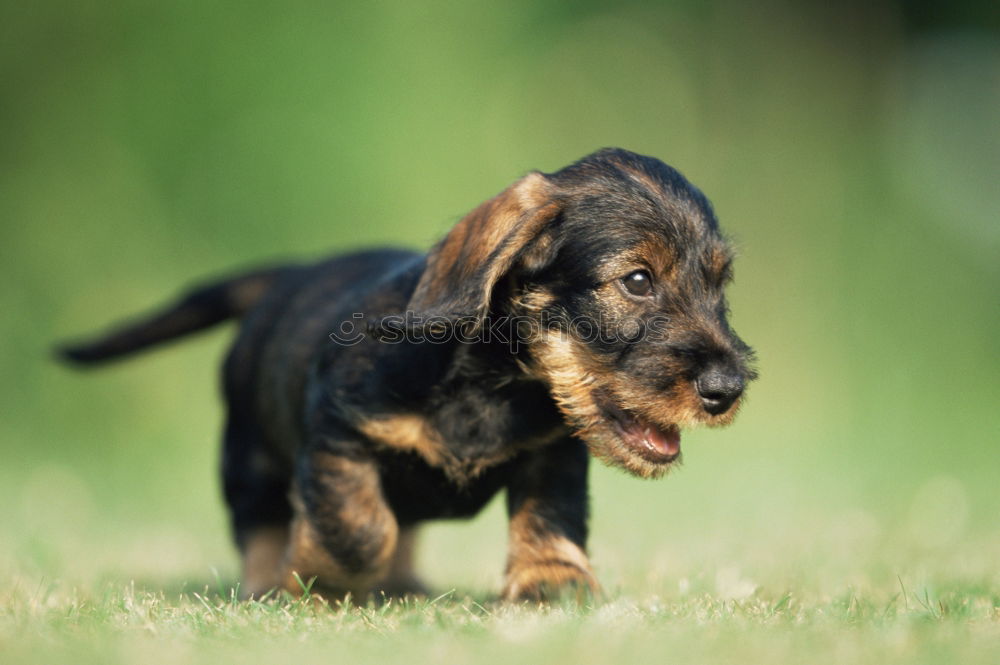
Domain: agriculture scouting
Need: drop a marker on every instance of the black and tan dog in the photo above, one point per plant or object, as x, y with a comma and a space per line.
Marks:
338, 444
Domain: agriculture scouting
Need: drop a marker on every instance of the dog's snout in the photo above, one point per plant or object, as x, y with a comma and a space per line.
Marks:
718, 389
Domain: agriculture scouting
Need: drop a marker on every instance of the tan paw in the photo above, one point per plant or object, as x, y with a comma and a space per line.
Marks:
550, 581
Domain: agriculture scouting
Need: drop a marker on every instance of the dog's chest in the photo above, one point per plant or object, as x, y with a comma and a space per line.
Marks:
466, 431
450, 458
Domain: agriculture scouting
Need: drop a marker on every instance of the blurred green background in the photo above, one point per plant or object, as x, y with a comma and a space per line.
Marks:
851, 150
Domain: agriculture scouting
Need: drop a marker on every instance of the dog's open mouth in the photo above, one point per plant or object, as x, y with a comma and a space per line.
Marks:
656, 444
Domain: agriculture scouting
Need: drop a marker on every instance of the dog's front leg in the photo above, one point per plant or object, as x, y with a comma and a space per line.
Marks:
547, 504
343, 534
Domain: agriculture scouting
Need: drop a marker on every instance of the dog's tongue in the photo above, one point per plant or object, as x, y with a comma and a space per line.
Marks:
666, 442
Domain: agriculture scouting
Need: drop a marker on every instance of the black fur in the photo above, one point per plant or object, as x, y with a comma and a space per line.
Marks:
487, 415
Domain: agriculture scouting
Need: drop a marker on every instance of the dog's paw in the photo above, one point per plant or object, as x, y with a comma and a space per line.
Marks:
550, 581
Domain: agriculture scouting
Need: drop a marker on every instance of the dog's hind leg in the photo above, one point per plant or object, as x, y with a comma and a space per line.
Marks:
256, 489
263, 550
344, 534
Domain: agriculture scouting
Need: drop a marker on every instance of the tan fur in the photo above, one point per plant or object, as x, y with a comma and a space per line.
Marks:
573, 376
393, 573
407, 432
487, 239
413, 433
263, 553
540, 562
651, 255
561, 359
366, 512
533, 302
309, 560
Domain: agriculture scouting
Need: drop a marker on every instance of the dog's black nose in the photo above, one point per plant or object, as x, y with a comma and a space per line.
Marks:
718, 389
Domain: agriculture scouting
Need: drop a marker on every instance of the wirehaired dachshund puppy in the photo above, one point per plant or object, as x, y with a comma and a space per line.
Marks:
578, 313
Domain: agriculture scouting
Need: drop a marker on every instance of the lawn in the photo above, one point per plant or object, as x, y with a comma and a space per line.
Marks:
729, 619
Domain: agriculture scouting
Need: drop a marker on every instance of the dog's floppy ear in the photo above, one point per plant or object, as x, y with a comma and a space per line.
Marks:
463, 269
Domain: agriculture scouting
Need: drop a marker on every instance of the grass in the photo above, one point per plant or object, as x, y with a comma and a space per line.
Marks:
888, 600
41, 622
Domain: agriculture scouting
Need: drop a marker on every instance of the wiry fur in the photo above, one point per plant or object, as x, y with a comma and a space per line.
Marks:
335, 452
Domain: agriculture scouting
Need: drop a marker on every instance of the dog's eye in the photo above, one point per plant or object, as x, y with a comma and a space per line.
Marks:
638, 283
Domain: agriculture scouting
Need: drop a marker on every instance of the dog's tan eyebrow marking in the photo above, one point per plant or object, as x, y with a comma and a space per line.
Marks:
660, 257
650, 254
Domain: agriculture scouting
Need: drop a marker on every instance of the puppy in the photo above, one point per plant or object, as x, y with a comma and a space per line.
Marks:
578, 313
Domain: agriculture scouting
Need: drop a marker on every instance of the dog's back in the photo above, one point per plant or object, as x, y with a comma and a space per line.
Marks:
287, 314
268, 366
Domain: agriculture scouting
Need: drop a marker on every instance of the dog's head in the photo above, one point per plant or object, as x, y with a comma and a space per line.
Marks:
617, 266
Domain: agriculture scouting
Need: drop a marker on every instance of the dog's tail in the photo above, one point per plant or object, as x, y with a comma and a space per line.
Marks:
200, 308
